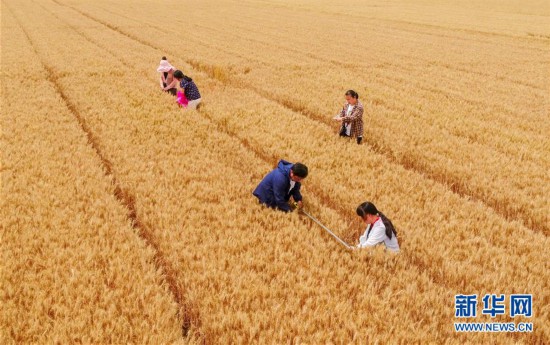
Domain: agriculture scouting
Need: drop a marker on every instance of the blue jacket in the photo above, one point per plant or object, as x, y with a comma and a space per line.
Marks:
274, 191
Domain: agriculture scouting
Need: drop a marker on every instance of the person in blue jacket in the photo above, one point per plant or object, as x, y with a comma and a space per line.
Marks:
280, 184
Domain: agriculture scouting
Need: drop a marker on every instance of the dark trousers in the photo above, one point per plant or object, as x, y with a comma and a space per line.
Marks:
344, 135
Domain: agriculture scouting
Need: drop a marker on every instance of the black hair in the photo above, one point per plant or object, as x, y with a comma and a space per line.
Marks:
368, 208
179, 75
299, 170
352, 94
164, 58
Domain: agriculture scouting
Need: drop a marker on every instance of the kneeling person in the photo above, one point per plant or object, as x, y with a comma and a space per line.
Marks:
280, 184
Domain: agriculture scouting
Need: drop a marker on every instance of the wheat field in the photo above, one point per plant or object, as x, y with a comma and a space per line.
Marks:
127, 220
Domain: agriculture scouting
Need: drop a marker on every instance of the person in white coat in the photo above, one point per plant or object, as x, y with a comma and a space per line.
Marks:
380, 229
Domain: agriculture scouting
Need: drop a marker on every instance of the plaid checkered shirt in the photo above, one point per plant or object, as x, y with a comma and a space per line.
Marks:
355, 118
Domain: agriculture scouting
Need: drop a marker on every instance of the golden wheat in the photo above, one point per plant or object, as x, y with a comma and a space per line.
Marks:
240, 273
73, 268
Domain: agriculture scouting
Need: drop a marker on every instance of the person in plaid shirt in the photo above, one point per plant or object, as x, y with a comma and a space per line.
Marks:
351, 117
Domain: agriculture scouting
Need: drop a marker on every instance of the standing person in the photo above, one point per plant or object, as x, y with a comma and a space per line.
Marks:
280, 184
167, 76
351, 117
379, 228
189, 89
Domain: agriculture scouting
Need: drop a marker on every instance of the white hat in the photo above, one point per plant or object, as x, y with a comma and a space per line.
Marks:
165, 66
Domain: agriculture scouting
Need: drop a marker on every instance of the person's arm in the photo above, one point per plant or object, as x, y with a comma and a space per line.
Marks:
377, 235
343, 112
280, 192
172, 85
355, 114
363, 238
340, 117
296, 195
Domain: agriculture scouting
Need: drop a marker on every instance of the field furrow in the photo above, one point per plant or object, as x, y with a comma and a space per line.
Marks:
156, 201
483, 178
74, 266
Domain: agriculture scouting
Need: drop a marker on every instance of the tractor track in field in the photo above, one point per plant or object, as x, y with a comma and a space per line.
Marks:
458, 187
398, 79
408, 56
185, 313
85, 36
451, 29
128, 200
423, 264
353, 67
436, 278
268, 159
360, 70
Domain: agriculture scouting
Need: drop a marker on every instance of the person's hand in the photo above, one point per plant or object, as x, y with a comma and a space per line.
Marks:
339, 119
299, 205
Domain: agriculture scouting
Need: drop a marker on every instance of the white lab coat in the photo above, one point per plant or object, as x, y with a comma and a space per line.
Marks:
378, 236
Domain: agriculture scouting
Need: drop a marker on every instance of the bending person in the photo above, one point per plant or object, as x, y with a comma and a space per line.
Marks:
351, 117
190, 89
280, 184
379, 228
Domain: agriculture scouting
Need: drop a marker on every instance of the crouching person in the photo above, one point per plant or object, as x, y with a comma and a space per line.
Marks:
379, 228
167, 82
189, 89
280, 184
